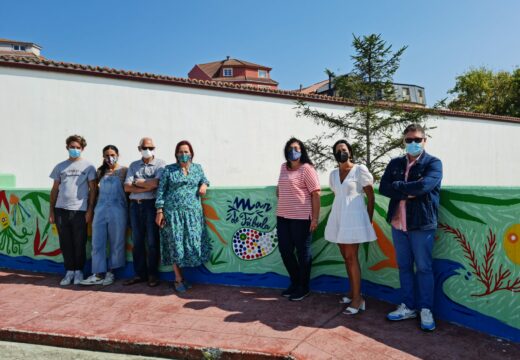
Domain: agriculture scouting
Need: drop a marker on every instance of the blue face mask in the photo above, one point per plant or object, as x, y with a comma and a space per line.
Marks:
184, 158
294, 155
74, 153
414, 149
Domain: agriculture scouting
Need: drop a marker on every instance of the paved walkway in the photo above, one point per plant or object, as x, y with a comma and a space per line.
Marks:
219, 322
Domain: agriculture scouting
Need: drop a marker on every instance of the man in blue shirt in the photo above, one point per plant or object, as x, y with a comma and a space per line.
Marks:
141, 182
413, 182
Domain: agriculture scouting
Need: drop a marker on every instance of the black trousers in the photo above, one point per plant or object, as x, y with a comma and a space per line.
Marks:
72, 230
294, 234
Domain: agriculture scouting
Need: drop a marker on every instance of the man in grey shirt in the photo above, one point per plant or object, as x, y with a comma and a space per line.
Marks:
71, 206
141, 182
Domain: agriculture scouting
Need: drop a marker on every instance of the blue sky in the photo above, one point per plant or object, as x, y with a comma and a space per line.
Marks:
298, 39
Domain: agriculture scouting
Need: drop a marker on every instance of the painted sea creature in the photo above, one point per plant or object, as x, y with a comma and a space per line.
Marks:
18, 211
251, 244
512, 243
10, 240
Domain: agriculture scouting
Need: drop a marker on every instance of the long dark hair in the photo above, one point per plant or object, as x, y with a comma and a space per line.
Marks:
349, 147
104, 167
304, 159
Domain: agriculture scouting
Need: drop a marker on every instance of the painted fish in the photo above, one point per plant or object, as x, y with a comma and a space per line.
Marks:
251, 244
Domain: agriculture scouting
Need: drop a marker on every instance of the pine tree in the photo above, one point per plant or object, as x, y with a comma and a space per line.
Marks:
374, 127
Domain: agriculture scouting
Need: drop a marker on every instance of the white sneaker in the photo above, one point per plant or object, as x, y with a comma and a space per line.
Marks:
92, 280
401, 313
109, 279
78, 277
67, 280
427, 322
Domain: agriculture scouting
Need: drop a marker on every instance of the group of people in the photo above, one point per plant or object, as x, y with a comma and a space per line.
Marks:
412, 182
165, 213
167, 220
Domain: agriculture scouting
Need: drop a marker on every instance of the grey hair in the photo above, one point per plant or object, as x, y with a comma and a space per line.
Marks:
145, 138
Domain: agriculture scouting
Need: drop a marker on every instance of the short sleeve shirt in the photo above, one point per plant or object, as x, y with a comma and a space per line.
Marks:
141, 170
294, 191
73, 177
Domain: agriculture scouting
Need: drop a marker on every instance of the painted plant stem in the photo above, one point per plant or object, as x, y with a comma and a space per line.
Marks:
485, 273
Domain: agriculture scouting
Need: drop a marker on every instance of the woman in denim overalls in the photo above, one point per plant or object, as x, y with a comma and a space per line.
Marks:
110, 220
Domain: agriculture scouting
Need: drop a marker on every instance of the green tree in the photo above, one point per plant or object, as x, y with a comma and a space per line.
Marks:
374, 127
484, 91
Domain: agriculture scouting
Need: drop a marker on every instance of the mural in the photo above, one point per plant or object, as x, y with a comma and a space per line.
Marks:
477, 250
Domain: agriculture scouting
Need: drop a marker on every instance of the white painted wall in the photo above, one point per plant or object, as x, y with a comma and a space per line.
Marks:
237, 138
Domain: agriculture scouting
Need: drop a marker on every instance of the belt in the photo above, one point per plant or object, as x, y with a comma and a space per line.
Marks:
140, 201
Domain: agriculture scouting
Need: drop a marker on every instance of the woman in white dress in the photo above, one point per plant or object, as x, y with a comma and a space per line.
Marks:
350, 221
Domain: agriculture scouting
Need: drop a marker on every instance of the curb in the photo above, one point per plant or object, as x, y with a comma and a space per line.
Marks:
164, 350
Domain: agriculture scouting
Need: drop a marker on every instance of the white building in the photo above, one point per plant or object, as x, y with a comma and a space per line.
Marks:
238, 134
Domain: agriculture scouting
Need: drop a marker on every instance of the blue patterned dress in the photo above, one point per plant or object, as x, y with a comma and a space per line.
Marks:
184, 238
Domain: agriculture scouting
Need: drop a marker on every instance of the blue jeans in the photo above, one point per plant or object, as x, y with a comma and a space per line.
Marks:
295, 234
415, 247
145, 236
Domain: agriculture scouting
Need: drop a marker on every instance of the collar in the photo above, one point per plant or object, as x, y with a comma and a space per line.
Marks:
151, 162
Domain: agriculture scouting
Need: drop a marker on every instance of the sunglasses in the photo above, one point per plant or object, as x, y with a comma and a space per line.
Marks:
147, 147
411, 140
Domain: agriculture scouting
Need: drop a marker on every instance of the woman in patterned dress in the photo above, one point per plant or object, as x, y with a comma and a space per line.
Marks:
184, 239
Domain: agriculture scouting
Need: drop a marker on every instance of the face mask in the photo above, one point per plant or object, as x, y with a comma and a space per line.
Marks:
74, 153
111, 160
146, 154
414, 149
184, 158
341, 156
294, 155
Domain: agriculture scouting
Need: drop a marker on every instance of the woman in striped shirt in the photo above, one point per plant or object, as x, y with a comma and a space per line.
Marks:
297, 214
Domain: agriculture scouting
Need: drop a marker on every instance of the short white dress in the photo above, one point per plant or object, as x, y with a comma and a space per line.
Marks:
348, 221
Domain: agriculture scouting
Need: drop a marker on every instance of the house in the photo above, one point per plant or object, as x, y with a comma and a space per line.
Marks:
412, 94
235, 71
19, 48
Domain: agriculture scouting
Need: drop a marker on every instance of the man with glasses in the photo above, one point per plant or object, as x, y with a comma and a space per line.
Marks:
141, 182
413, 182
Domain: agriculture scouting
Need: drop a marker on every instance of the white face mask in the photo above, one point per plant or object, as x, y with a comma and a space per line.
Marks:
147, 153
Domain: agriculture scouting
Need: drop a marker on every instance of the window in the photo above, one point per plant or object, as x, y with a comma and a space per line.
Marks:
406, 94
420, 96
227, 72
18, 48
262, 73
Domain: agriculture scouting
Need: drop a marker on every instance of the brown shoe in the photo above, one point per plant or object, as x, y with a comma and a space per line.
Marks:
133, 281
153, 281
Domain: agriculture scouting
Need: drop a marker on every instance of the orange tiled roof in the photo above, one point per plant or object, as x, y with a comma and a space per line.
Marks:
246, 79
35, 63
212, 69
312, 89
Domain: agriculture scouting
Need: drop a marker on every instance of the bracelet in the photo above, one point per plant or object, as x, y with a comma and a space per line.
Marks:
159, 212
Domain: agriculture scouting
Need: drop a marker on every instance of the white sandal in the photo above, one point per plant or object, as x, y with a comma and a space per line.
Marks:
353, 311
345, 300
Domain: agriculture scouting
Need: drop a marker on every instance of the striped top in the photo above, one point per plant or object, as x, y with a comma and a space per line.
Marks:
294, 191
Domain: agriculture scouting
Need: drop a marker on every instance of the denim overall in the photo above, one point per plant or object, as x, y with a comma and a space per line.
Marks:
110, 224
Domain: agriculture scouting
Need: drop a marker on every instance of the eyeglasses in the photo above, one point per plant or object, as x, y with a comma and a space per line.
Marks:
411, 140
147, 147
